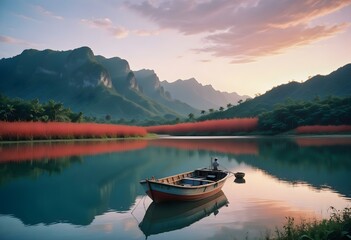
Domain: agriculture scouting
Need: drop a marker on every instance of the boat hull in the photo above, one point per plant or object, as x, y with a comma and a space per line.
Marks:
159, 191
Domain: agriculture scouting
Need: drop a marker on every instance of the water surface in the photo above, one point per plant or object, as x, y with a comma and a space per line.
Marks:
90, 190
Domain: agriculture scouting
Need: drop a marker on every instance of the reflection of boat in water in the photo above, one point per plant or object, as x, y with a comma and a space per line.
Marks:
240, 180
165, 217
188, 186
239, 175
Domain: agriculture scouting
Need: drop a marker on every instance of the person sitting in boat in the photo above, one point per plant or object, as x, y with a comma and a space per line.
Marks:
215, 164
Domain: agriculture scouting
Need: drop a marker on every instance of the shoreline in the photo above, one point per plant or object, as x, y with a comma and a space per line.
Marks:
155, 136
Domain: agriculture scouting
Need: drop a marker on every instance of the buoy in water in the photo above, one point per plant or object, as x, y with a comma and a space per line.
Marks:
239, 180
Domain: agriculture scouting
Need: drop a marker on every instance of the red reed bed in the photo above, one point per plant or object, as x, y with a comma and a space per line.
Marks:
58, 130
210, 126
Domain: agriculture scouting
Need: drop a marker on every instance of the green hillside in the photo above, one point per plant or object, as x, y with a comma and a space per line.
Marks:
337, 83
81, 81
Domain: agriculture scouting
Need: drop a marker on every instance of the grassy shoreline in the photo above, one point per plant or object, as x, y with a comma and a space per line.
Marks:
338, 226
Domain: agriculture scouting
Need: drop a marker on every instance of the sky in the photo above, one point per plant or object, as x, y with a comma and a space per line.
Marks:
242, 46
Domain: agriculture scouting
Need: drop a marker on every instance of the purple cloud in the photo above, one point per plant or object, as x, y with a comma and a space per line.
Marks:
244, 30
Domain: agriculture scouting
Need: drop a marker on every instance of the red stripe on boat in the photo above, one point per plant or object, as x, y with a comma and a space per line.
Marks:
163, 197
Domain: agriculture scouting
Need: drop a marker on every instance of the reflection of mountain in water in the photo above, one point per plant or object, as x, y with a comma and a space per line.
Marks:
34, 169
308, 160
75, 195
56, 190
76, 189
165, 217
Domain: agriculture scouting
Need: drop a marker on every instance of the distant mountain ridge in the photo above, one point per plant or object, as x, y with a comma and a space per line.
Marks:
151, 86
92, 84
337, 83
200, 96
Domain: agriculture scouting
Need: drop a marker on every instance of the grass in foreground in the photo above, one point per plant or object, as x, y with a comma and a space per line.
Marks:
338, 226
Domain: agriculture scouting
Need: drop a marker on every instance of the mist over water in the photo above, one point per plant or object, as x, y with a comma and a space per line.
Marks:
90, 190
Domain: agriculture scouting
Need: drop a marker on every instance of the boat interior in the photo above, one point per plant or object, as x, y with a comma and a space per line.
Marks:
195, 178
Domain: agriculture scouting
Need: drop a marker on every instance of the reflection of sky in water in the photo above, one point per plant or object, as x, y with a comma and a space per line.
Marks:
261, 203
275, 188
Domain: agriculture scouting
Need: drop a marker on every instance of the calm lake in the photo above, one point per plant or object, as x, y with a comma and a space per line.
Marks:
91, 190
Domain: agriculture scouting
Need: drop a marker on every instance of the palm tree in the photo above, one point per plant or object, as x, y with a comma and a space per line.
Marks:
240, 101
55, 111
221, 109
77, 117
229, 105
191, 116
211, 110
36, 109
203, 112
8, 111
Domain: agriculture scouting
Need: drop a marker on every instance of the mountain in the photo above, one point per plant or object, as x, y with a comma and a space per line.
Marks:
151, 86
200, 96
337, 83
82, 81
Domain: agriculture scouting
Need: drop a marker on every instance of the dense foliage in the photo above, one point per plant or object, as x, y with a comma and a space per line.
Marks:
292, 114
303, 116
32, 110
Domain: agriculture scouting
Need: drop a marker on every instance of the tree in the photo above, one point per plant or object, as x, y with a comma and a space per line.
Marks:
8, 111
229, 105
240, 101
56, 111
108, 117
191, 116
36, 110
203, 112
221, 109
77, 117
211, 110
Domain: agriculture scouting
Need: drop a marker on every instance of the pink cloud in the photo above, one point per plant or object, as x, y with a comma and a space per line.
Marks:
145, 33
116, 31
244, 30
119, 32
16, 41
107, 25
46, 12
246, 48
98, 23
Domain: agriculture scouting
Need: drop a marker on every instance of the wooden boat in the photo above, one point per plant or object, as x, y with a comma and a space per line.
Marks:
188, 186
170, 216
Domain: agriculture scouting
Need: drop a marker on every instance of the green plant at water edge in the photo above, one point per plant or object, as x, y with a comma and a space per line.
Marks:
338, 226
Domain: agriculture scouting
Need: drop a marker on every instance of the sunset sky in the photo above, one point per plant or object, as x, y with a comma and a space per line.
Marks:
243, 46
